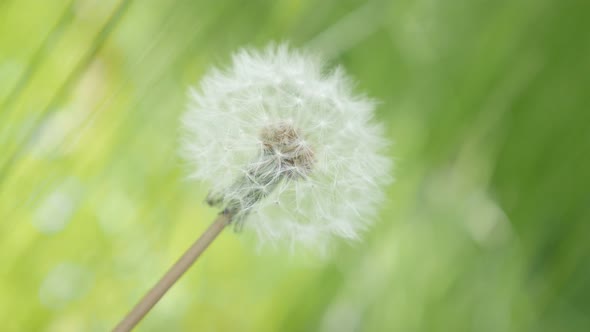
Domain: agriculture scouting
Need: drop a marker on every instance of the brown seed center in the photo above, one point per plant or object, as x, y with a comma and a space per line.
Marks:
286, 143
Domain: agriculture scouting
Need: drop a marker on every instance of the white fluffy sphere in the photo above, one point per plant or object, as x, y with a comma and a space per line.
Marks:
287, 147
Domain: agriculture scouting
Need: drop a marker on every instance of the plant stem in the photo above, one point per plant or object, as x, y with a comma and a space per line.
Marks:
174, 273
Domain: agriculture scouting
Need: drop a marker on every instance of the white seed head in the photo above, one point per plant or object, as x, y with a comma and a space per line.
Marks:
287, 147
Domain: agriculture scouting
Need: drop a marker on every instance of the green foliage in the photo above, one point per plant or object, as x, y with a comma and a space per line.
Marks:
485, 229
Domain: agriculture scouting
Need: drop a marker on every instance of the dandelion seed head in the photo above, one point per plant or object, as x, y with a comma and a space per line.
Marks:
278, 135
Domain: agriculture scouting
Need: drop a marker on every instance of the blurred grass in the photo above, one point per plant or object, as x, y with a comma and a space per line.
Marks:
485, 229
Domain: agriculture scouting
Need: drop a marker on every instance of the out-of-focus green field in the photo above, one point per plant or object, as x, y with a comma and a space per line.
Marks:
487, 227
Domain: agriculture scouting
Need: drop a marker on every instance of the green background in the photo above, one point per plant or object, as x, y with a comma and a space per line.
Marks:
486, 228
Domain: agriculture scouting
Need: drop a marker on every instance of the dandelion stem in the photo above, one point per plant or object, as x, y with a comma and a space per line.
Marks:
174, 273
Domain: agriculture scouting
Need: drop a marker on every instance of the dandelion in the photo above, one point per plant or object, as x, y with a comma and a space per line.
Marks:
289, 151
287, 148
